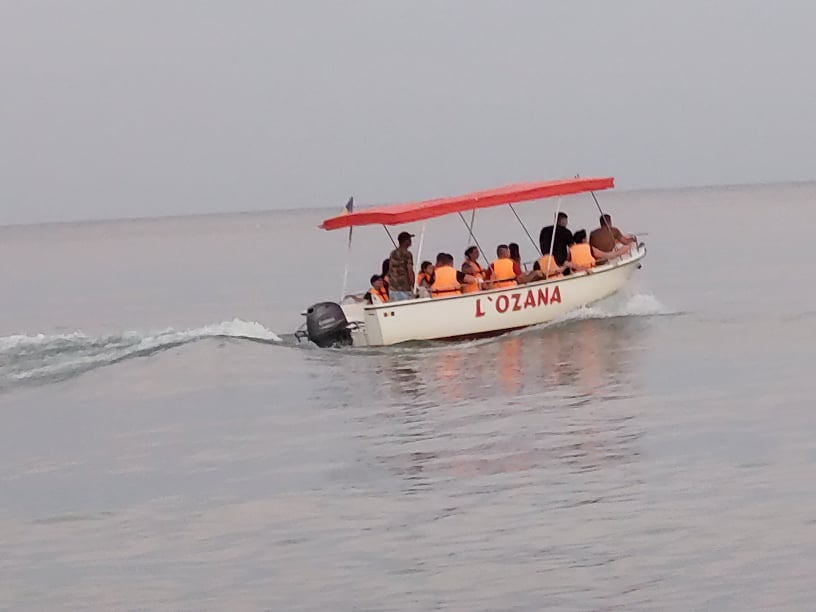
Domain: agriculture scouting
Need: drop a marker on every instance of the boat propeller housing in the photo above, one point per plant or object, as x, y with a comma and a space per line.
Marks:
326, 325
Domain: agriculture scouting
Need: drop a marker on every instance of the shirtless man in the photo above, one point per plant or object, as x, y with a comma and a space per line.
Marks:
607, 237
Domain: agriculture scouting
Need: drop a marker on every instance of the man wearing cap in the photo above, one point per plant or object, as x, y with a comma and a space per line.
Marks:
401, 270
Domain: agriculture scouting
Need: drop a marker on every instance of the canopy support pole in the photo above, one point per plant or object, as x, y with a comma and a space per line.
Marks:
470, 227
419, 255
552, 238
472, 235
348, 262
349, 208
608, 229
385, 227
537, 248
596, 202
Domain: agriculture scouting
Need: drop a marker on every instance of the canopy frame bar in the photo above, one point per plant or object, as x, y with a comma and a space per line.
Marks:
524, 227
603, 222
385, 227
347, 265
552, 238
472, 235
349, 208
418, 260
471, 226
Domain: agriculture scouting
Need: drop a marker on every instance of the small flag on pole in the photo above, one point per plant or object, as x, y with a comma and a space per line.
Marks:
348, 209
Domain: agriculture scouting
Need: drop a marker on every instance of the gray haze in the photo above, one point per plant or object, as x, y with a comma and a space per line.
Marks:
118, 109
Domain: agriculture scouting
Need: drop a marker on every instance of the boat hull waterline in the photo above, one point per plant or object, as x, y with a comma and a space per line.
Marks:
487, 312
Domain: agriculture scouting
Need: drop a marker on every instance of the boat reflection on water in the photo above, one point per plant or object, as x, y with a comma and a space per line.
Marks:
582, 357
560, 394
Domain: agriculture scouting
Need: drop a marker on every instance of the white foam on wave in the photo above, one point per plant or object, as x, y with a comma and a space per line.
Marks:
636, 305
59, 356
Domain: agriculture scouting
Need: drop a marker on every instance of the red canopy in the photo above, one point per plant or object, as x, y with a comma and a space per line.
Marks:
396, 214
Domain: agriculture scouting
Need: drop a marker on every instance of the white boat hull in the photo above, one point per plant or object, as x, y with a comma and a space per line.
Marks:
487, 312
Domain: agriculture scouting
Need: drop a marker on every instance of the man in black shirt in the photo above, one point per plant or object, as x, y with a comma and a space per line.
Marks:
562, 242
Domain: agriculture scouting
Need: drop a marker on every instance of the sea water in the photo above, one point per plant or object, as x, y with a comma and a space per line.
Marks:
167, 445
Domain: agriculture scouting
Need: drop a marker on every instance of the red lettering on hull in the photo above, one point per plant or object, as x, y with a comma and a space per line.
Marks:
534, 298
516, 301
530, 300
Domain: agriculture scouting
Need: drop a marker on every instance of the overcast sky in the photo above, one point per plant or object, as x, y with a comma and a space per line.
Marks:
140, 108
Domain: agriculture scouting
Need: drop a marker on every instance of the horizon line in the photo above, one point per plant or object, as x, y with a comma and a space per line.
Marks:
94, 220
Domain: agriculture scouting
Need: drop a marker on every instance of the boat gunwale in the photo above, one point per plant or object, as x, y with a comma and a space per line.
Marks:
641, 253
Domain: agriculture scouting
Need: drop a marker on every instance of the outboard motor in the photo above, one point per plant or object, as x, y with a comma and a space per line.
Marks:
326, 325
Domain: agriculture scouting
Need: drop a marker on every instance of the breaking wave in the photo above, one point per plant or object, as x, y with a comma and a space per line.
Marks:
635, 305
32, 359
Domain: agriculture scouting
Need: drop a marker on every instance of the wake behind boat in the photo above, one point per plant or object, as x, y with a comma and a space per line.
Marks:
488, 311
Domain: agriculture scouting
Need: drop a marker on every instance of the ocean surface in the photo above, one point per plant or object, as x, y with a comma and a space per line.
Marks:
165, 444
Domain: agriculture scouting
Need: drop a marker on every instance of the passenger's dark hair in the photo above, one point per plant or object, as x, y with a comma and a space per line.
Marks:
501, 247
440, 257
561, 215
385, 265
605, 220
375, 278
448, 259
424, 265
580, 235
515, 253
469, 250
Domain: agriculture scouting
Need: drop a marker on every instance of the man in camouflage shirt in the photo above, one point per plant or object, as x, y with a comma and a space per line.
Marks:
401, 270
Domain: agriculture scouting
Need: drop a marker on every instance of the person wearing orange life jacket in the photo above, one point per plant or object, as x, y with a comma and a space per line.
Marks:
545, 267
377, 294
425, 279
504, 271
448, 280
426, 274
472, 267
582, 255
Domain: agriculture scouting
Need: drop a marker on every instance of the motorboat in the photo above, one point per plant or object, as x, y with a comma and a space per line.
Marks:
491, 311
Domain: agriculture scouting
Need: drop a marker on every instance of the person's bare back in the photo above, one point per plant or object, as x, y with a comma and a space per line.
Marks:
607, 237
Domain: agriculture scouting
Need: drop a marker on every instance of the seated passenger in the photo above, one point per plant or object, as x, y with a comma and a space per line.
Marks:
426, 274
384, 274
545, 267
425, 279
377, 294
607, 237
448, 280
504, 271
581, 255
515, 253
472, 267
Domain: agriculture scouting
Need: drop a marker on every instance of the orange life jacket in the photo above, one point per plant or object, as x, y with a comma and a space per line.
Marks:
503, 273
423, 276
478, 274
445, 282
380, 295
545, 260
581, 254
